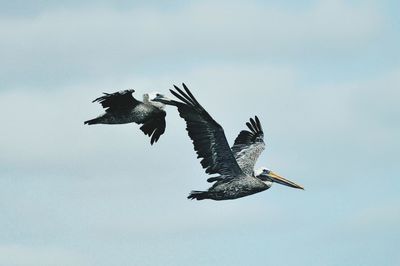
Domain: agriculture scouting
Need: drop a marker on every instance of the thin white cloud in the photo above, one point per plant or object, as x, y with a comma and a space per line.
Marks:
377, 219
82, 43
19, 255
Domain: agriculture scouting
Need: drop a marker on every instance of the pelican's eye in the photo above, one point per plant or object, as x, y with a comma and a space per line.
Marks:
266, 171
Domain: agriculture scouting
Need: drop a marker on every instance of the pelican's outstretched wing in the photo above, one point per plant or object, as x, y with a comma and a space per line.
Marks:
207, 135
249, 145
155, 125
116, 101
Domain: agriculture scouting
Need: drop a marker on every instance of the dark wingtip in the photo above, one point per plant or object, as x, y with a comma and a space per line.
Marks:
181, 96
253, 123
154, 138
154, 128
250, 126
258, 124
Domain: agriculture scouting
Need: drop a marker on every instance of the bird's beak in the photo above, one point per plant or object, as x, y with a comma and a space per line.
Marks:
279, 179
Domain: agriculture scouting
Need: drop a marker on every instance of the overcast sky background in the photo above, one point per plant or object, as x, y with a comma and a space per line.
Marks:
323, 76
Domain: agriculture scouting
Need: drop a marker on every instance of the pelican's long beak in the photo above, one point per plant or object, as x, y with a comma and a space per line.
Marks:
161, 99
279, 179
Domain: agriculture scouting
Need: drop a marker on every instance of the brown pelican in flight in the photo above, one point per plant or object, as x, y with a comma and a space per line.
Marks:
122, 108
234, 166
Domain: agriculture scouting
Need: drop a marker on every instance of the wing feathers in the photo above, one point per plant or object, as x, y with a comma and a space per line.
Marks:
250, 126
154, 127
117, 101
208, 137
190, 94
249, 145
183, 99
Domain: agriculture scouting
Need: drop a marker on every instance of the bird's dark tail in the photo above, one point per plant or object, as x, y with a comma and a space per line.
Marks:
198, 195
92, 121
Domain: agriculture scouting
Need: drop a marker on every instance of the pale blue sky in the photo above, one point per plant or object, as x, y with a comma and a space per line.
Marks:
323, 76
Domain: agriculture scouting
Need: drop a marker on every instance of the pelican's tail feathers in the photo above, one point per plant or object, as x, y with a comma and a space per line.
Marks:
198, 195
92, 121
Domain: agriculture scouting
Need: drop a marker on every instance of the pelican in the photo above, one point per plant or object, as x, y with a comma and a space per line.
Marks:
122, 108
234, 166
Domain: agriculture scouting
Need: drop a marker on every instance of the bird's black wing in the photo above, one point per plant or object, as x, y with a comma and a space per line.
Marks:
117, 101
207, 135
155, 125
249, 145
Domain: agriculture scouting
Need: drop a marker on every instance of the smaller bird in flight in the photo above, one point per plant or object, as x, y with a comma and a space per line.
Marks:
122, 108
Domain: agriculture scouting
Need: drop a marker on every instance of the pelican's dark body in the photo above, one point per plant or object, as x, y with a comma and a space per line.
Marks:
231, 189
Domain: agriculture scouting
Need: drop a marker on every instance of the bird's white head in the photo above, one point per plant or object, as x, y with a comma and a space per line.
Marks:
150, 97
269, 177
